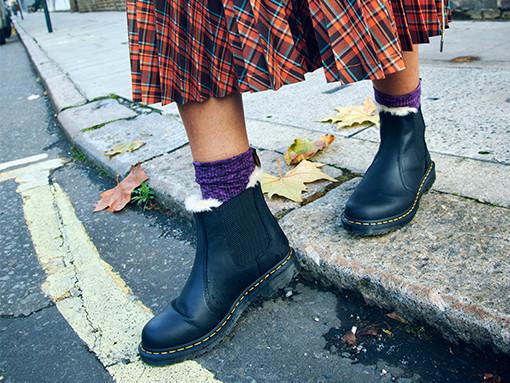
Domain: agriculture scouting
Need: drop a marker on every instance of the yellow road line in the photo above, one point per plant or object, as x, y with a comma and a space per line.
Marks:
93, 299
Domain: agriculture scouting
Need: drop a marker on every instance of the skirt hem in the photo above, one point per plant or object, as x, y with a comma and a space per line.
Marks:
185, 51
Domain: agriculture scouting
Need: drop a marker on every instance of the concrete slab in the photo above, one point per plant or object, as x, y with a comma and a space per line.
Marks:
74, 120
482, 180
419, 270
171, 176
305, 103
161, 134
97, 40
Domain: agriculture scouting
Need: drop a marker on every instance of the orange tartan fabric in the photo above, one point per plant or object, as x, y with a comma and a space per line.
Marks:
188, 50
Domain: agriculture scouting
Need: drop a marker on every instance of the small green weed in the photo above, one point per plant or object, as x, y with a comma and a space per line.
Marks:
143, 195
78, 155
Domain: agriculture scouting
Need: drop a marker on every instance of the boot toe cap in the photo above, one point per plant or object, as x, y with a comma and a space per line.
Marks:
367, 208
168, 330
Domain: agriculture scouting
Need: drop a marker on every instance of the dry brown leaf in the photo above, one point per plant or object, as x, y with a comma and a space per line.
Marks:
355, 116
464, 59
304, 149
292, 184
115, 199
393, 315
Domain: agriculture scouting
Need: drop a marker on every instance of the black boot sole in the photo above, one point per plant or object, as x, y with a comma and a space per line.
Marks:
264, 288
384, 226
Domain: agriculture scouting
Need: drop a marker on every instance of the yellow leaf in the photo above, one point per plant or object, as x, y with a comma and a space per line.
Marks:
355, 115
290, 188
304, 149
308, 171
292, 184
124, 147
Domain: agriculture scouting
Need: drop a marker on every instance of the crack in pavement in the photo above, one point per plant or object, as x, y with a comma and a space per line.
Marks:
23, 315
96, 331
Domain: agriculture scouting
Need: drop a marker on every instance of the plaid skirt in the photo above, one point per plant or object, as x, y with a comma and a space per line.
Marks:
189, 50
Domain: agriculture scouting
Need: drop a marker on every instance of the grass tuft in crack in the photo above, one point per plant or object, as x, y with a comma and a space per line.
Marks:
78, 155
143, 196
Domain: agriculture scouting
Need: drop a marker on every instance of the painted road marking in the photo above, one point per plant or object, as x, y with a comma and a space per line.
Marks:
94, 299
23, 161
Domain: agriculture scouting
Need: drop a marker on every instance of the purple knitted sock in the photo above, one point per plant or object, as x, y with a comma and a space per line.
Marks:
410, 99
224, 179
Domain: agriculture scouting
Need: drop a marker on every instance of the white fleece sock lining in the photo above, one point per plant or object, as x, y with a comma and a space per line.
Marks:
398, 110
255, 177
195, 204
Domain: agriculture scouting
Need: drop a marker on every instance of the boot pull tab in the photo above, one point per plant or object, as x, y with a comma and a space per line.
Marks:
256, 158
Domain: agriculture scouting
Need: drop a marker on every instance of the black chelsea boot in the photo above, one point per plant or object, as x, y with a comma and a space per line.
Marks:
389, 194
242, 256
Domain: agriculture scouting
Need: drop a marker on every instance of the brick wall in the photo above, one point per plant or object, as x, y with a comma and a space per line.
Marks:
481, 4
481, 9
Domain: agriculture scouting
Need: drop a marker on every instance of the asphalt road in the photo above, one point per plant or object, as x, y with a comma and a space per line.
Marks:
296, 337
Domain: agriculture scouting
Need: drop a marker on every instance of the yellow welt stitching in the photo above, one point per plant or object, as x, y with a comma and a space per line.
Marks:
229, 315
403, 215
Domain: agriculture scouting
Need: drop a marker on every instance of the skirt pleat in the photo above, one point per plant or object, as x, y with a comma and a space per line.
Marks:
189, 51
143, 50
420, 20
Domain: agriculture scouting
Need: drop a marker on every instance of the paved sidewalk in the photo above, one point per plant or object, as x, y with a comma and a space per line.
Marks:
449, 268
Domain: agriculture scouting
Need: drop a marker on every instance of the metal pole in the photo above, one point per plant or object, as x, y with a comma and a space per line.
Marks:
47, 16
20, 9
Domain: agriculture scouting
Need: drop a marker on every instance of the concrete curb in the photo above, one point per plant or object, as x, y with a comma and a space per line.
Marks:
62, 91
329, 254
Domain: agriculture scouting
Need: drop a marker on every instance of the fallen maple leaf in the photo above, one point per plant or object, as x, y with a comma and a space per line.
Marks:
290, 188
304, 149
464, 59
124, 147
115, 199
292, 184
354, 116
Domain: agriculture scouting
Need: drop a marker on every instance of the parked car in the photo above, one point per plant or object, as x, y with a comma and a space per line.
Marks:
5, 22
